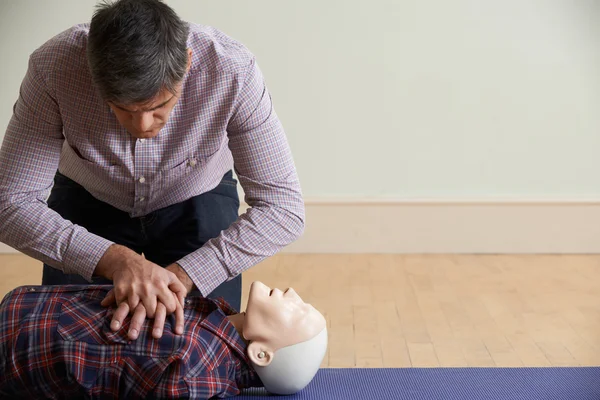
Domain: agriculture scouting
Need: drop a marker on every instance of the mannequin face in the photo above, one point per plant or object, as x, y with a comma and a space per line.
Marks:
276, 319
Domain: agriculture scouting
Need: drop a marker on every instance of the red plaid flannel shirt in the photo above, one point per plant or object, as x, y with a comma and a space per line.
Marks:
56, 342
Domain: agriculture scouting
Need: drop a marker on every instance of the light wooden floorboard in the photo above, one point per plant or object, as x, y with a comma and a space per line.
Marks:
432, 310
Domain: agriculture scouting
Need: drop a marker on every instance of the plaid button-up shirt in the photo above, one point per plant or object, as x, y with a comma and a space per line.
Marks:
56, 342
224, 115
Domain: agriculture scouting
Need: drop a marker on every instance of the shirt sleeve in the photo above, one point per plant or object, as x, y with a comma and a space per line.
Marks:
29, 158
265, 168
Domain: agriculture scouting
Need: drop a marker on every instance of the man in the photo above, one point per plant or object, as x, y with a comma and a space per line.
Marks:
135, 123
55, 342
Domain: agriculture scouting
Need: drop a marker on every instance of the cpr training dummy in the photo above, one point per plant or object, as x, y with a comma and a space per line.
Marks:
56, 342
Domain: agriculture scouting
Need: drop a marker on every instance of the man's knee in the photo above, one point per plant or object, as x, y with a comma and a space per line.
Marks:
53, 276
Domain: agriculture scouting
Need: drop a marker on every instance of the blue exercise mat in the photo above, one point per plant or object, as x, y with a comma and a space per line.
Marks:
555, 383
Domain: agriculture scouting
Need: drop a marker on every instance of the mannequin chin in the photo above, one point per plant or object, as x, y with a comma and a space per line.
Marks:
287, 338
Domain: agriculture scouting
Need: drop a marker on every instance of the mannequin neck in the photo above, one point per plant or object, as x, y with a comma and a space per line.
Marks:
237, 320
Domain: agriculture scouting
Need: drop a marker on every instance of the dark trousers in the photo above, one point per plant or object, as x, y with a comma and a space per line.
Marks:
164, 236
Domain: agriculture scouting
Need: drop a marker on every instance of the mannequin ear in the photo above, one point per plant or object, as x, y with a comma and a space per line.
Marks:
259, 354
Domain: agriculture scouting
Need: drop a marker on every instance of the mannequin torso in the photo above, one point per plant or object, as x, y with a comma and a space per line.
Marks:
57, 340
60, 341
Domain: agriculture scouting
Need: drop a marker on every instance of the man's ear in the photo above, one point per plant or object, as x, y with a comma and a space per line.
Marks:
259, 354
189, 63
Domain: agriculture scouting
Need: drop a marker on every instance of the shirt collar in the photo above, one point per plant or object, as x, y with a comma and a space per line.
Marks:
218, 323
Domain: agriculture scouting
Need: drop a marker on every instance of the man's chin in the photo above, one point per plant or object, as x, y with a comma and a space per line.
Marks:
145, 135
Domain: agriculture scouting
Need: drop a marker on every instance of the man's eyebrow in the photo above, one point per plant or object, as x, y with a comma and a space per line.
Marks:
151, 109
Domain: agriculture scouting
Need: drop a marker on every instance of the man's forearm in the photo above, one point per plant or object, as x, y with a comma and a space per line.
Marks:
110, 259
34, 229
257, 234
29, 158
182, 276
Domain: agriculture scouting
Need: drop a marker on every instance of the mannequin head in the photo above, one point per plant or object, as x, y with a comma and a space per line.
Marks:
287, 338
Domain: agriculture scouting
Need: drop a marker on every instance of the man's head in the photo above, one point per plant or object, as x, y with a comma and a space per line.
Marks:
287, 338
138, 57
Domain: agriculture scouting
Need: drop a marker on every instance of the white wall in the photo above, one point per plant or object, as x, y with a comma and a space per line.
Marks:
463, 100
402, 98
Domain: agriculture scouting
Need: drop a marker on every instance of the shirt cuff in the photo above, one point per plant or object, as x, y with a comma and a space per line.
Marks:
84, 252
204, 269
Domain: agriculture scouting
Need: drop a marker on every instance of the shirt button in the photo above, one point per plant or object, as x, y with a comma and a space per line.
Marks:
192, 162
142, 198
142, 179
142, 140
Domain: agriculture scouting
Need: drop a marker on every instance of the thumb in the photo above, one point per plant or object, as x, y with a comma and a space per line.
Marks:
109, 299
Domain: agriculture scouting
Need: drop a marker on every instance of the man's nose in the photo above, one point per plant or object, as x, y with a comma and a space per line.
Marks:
143, 121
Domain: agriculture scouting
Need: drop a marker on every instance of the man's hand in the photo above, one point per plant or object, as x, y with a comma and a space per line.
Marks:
140, 315
182, 276
138, 281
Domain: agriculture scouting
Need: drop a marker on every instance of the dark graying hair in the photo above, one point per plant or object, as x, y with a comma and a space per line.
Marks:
135, 49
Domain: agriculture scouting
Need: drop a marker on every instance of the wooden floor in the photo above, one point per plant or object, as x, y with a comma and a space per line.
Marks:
430, 311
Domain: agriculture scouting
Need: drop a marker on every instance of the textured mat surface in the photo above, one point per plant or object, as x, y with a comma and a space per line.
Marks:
581, 383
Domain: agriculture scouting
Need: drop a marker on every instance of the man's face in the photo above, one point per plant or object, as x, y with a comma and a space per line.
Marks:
144, 121
279, 318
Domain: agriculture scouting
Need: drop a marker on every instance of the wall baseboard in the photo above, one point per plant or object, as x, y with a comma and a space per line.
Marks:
484, 227
4, 249
450, 227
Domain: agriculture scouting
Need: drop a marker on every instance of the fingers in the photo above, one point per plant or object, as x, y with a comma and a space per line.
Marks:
119, 316
150, 292
133, 299
161, 315
123, 293
139, 317
175, 286
150, 302
178, 289
179, 318
137, 321
109, 299
166, 297
159, 320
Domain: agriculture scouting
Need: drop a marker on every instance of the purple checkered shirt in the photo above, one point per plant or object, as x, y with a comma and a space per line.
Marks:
224, 115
